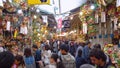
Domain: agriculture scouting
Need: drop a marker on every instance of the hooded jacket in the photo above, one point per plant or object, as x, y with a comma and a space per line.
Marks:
68, 61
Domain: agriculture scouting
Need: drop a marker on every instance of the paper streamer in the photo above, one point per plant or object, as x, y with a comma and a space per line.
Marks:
105, 26
84, 28
8, 26
103, 17
96, 18
115, 23
99, 28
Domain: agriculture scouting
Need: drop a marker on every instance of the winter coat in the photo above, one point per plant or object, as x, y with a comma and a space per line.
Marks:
79, 61
85, 54
37, 57
68, 61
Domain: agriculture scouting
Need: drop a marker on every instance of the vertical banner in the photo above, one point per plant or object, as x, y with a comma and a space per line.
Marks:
105, 26
45, 19
103, 17
31, 2
111, 27
96, 18
84, 28
115, 23
59, 23
117, 3
100, 28
8, 26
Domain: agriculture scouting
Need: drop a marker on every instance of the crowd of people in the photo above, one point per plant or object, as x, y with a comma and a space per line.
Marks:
56, 54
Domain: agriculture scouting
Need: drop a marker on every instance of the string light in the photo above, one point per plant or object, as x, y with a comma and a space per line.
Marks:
92, 7
81, 13
71, 17
20, 11
37, 10
35, 16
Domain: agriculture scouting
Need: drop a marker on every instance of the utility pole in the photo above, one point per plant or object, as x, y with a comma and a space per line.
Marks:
59, 7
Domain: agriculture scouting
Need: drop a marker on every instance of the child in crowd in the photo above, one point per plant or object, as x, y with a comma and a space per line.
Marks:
29, 58
55, 62
18, 61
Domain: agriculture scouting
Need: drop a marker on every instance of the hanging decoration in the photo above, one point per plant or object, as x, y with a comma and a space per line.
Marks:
91, 29
103, 17
8, 25
111, 10
96, 17
104, 2
105, 28
15, 33
84, 28
23, 29
115, 23
90, 19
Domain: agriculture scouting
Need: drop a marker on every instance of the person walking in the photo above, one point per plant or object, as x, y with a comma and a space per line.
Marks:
29, 58
67, 59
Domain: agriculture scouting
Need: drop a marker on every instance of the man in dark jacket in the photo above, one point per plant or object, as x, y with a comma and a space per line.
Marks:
37, 55
86, 52
79, 59
67, 59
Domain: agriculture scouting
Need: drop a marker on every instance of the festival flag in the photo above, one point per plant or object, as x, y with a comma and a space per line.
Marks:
35, 2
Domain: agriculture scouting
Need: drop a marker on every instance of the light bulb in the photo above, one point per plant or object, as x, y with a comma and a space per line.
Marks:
92, 7
81, 13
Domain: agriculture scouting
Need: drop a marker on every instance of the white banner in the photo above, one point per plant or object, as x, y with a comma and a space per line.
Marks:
8, 26
45, 19
103, 17
84, 28
115, 23
96, 18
